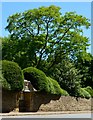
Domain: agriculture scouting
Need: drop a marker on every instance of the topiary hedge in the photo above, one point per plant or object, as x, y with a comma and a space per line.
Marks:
54, 87
41, 82
83, 93
37, 78
4, 84
50, 86
89, 90
12, 75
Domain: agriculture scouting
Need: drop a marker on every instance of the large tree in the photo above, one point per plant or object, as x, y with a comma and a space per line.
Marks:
43, 36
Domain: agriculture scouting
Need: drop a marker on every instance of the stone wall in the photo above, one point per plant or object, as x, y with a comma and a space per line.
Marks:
36, 101
9, 100
67, 104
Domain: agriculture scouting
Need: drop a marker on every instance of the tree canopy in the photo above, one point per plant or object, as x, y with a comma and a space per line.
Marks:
52, 42
45, 34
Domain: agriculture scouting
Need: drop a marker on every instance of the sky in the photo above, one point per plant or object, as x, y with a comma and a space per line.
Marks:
81, 8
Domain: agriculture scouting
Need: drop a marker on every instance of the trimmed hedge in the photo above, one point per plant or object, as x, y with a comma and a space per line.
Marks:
4, 84
84, 94
89, 90
42, 83
54, 87
37, 78
12, 73
51, 89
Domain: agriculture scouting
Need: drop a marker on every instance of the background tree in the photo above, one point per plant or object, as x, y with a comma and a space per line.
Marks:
85, 66
67, 76
43, 36
48, 40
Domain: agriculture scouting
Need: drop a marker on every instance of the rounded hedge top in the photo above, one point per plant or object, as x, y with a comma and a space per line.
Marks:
41, 82
12, 73
36, 77
54, 87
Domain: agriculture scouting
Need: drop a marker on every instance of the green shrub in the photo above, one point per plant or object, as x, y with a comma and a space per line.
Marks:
83, 93
41, 82
51, 88
13, 75
4, 84
54, 87
64, 92
89, 90
37, 78
67, 76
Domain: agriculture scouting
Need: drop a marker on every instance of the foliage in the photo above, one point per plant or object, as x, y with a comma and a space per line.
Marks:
12, 74
44, 34
83, 93
85, 66
89, 90
54, 87
37, 78
11, 52
67, 76
8, 49
53, 43
41, 82
50, 86
4, 84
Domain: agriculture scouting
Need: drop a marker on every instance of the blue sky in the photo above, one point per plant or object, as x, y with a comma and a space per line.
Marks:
9, 8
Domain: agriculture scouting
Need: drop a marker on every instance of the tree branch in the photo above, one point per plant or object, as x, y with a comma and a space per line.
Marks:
42, 51
64, 34
55, 59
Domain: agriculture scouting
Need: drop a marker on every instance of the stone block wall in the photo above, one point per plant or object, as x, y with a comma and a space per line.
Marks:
37, 101
67, 104
33, 100
9, 100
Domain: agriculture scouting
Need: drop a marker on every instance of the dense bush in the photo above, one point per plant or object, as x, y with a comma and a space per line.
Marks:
50, 86
37, 78
4, 84
89, 90
67, 76
83, 93
54, 87
12, 73
41, 82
